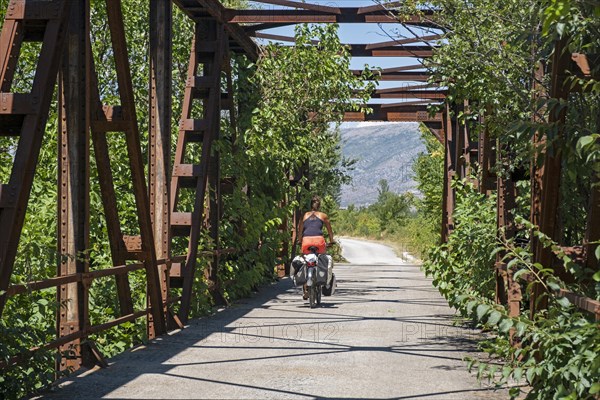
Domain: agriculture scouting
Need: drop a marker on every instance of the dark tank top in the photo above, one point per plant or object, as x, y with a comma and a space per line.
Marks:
313, 226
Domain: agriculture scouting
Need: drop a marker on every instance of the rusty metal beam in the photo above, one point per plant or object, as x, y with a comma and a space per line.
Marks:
346, 15
30, 130
404, 41
449, 172
486, 161
109, 198
73, 185
582, 302
383, 7
550, 174
407, 88
279, 38
361, 50
417, 76
215, 9
402, 68
160, 121
408, 113
406, 103
160, 91
436, 128
592, 233
11, 39
207, 32
415, 94
156, 319
461, 141
508, 291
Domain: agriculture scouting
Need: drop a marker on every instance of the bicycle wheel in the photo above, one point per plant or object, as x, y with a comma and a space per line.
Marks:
312, 295
319, 294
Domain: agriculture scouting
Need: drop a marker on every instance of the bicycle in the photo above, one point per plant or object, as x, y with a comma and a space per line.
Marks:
315, 275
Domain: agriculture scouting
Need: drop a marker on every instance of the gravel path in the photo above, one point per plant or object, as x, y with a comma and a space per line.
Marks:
386, 333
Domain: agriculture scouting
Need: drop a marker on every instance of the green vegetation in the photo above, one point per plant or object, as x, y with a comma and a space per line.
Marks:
283, 123
502, 46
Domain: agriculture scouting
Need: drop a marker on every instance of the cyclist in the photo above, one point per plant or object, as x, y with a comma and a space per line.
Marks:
310, 230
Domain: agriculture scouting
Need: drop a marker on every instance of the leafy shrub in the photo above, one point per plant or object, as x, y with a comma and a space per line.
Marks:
464, 265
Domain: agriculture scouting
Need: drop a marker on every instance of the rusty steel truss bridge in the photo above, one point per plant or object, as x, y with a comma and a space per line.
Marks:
62, 28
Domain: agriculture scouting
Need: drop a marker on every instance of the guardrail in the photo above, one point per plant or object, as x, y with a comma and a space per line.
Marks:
86, 279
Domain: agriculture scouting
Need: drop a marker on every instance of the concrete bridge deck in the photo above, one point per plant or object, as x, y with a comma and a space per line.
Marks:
386, 333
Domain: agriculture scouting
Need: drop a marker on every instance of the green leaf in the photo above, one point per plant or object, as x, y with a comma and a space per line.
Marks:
595, 389
494, 317
519, 273
470, 306
521, 328
563, 301
482, 310
530, 375
585, 141
553, 285
505, 325
514, 392
518, 374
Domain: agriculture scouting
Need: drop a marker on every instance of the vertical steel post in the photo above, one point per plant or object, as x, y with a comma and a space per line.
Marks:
215, 201
486, 159
156, 318
551, 173
161, 61
73, 183
449, 171
160, 121
214, 216
507, 291
461, 144
592, 233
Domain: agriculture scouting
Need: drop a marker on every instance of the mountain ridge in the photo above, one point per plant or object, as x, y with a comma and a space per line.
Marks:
382, 150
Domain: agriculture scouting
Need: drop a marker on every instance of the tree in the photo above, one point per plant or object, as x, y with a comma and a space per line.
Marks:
383, 189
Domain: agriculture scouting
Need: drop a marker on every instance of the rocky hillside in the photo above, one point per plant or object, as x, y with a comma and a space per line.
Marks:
383, 150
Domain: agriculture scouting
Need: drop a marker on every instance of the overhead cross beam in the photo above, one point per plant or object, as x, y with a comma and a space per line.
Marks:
413, 94
363, 50
397, 113
421, 76
280, 17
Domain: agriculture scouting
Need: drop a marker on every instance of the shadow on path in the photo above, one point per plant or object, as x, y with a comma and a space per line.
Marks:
374, 340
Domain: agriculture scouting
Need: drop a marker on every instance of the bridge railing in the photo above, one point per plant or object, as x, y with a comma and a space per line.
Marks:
86, 279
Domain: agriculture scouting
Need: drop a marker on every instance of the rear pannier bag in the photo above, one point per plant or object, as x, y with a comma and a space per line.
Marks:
322, 268
298, 271
328, 290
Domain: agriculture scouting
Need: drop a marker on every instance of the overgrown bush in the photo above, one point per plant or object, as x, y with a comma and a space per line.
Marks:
465, 264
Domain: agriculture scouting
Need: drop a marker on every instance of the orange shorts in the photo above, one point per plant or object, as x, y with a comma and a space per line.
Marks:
317, 241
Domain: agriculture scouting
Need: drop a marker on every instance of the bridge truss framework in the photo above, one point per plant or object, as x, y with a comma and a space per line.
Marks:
63, 29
